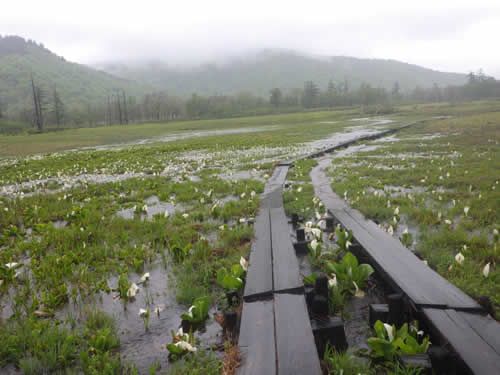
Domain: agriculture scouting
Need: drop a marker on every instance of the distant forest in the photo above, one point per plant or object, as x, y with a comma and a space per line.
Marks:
48, 109
41, 91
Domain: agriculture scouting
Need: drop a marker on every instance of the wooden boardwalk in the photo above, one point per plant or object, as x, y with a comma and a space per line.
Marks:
275, 333
459, 320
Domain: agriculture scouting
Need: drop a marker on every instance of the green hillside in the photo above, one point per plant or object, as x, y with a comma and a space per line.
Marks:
78, 85
284, 69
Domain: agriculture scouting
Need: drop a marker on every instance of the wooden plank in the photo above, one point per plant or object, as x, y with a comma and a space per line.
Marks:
485, 326
296, 349
423, 285
259, 281
257, 341
286, 274
476, 353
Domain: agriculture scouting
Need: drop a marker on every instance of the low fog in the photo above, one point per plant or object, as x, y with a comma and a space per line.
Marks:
457, 36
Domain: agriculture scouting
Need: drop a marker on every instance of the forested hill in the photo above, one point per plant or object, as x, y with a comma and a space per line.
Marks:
286, 70
80, 87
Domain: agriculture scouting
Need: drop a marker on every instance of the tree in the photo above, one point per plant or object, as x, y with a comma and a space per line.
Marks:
276, 97
396, 91
58, 108
310, 95
38, 96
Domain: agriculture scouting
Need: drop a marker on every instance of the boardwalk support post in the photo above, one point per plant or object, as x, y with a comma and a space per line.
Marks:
329, 331
378, 311
442, 360
232, 297
396, 309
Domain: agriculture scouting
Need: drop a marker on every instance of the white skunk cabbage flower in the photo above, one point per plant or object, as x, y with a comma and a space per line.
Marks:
185, 216
314, 244
244, 264
358, 292
348, 244
459, 258
132, 291
486, 270
390, 230
185, 346
145, 277
143, 312
389, 330
396, 211
10, 265
166, 213
316, 232
332, 283
299, 189
466, 210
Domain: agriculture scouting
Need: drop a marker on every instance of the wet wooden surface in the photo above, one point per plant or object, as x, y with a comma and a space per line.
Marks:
295, 345
472, 336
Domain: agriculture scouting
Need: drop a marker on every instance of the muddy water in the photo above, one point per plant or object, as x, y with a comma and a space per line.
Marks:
140, 347
154, 207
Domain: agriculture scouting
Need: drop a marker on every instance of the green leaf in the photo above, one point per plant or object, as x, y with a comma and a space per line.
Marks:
311, 279
237, 270
174, 349
350, 260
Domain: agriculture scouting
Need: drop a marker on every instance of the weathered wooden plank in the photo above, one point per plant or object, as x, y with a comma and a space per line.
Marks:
296, 349
476, 353
257, 340
422, 284
485, 326
259, 281
286, 274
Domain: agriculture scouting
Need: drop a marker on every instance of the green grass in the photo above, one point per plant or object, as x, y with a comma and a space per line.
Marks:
443, 175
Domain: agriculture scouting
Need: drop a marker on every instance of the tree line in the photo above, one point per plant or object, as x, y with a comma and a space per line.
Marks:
48, 107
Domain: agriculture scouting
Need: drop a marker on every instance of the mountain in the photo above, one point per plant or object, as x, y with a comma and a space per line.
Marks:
267, 69
78, 85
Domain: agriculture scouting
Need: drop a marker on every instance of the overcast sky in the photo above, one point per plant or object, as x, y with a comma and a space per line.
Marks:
445, 35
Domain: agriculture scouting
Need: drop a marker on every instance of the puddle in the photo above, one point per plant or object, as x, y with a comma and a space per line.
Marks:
143, 348
154, 207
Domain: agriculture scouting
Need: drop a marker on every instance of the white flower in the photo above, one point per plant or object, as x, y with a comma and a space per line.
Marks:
466, 210
132, 291
358, 293
180, 332
396, 211
243, 220
190, 311
252, 194
242, 195
185, 346
244, 263
145, 208
447, 221
405, 231
299, 189
185, 215
389, 331
459, 258
332, 283
318, 216
143, 312
495, 232
316, 232
390, 230
166, 213
348, 244
158, 309
134, 208
314, 244
486, 270
10, 265
145, 277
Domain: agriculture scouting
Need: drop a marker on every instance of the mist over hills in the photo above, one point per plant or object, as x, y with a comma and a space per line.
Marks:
263, 70
257, 72
78, 85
